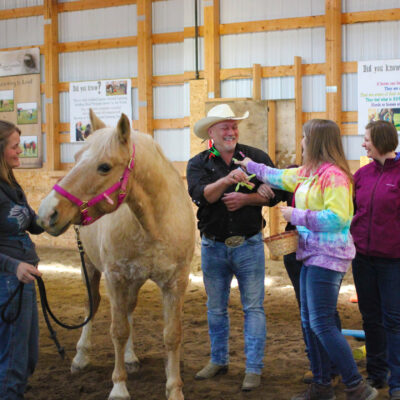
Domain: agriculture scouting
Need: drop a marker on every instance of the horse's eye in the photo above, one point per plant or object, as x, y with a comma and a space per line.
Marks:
104, 168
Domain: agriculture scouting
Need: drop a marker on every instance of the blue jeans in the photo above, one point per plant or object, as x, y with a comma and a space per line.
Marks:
219, 263
319, 290
377, 281
293, 269
19, 341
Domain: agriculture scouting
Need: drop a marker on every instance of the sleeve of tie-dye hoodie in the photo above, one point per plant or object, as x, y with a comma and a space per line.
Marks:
338, 205
284, 179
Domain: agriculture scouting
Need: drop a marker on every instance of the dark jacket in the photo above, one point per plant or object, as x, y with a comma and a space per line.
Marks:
215, 219
16, 217
376, 222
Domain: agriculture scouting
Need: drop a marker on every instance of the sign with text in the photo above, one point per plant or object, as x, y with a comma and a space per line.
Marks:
108, 99
378, 92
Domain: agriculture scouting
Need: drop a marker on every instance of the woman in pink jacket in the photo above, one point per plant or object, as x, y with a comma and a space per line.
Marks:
376, 268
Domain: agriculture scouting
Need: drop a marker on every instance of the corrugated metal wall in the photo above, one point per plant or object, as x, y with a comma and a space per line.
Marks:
360, 42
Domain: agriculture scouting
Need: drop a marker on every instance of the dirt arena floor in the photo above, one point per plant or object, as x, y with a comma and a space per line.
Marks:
285, 360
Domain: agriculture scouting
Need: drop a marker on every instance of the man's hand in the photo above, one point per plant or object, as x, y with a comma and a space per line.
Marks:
243, 163
26, 272
287, 213
235, 177
266, 191
234, 201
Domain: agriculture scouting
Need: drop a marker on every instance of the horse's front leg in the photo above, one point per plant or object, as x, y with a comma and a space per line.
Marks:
118, 290
173, 294
132, 362
82, 357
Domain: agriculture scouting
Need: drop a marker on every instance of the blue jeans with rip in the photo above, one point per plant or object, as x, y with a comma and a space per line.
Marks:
377, 282
19, 341
319, 290
219, 264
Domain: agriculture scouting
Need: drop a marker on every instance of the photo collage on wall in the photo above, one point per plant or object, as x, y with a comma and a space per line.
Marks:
20, 101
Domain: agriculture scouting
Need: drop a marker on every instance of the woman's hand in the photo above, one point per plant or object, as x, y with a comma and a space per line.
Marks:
26, 272
243, 163
287, 213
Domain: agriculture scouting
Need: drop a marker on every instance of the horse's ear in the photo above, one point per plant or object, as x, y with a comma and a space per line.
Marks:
124, 129
95, 121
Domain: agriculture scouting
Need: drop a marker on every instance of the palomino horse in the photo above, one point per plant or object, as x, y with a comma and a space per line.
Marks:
150, 236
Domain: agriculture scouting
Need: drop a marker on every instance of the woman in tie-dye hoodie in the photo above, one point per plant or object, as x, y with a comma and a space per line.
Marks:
323, 189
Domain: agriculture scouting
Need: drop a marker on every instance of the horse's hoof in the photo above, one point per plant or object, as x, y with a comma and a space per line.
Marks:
175, 394
119, 392
75, 368
132, 367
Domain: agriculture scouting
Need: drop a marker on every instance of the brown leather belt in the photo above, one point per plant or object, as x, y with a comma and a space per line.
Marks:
230, 241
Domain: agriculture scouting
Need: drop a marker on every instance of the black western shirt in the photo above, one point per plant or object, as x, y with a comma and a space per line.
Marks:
215, 219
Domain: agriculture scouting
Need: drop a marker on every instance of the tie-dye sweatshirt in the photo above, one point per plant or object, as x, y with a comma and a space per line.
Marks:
323, 213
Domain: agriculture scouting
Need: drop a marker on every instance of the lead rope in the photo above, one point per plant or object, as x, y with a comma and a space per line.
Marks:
45, 305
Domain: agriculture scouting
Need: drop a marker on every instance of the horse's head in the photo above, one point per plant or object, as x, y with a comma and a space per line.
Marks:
93, 186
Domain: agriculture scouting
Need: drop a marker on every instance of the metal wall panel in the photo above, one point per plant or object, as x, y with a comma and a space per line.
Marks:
68, 150
189, 11
21, 32
175, 143
98, 64
233, 88
314, 96
168, 102
167, 16
9, 4
99, 23
371, 41
189, 54
168, 59
255, 10
368, 5
349, 92
273, 48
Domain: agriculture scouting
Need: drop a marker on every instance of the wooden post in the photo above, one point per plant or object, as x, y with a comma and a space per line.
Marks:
333, 40
145, 65
52, 103
298, 99
273, 215
212, 47
257, 82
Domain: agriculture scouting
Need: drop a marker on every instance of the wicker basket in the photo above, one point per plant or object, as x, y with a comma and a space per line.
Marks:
283, 243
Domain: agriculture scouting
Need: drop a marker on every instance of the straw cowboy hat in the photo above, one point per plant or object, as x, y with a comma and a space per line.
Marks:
219, 113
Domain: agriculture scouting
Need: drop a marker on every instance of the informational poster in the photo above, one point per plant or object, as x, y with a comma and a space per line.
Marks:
108, 99
378, 92
20, 101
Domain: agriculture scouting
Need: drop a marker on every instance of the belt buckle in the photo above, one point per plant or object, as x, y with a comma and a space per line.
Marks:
234, 241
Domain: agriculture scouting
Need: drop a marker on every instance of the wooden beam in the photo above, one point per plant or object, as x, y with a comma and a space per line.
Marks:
21, 12
392, 14
256, 81
189, 32
81, 5
171, 123
333, 43
170, 37
145, 66
41, 48
212, 48
273, 216
52, 105
168, 80
97, 44
273, 25
298, 98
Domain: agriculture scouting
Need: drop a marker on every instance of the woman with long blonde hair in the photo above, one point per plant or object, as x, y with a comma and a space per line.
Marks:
323, 190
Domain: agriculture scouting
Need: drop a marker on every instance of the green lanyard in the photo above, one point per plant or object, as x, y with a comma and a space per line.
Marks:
214, 152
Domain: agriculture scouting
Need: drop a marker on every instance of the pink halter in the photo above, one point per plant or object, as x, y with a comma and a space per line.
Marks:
85, 205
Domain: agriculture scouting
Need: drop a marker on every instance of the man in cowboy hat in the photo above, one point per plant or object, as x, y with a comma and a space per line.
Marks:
230, 223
